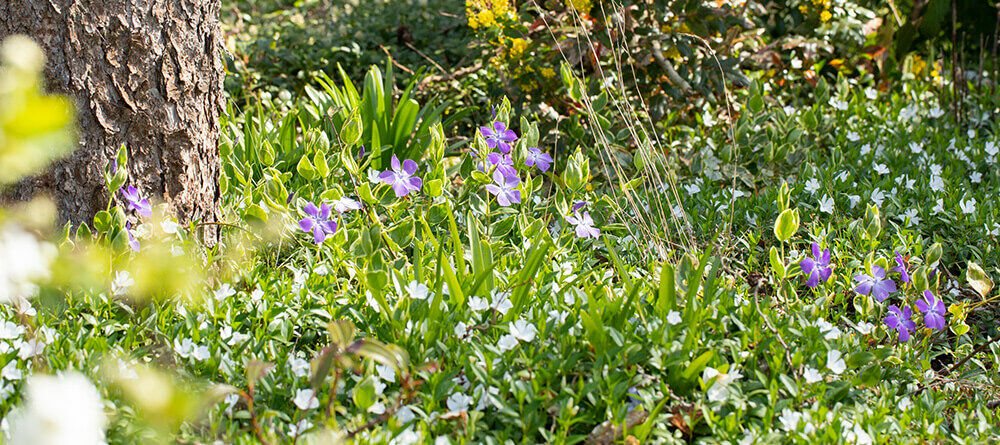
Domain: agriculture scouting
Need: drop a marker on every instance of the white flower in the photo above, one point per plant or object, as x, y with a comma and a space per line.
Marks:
188, 349
692, 188
461, 329
674, 317
855, 433
373, 176
405, 415
905, 404
937, 184
826, 204
23, 259
838, 104
719, 391
522, 330
968, 206
834, 362
305, 399
812, 375
501, 302
854, 199
9, 330
230, 402
976, 177
296, 429
121, 283
477, 304
877, 197
865, 328
790, 419
62, 409
407, 437
812, 185
169, 226
300, 366
377, 408
881, 169
386, 373
224, 291
507, 342
11, 371
417, 291
853, 137
30, 348
458, 402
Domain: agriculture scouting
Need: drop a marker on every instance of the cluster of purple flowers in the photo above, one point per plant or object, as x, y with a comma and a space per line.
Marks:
880, 286
318, 220
505, 176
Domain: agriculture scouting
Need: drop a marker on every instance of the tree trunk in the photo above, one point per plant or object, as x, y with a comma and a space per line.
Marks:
146, 73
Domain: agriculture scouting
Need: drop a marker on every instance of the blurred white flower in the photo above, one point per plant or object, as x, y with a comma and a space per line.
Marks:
300, 366
834, 361
224, 291
417, 291
674, 317
11, 371
24, 260
122, 282
386, 373
507, 342
790, 419
968, 206
62, 409
826, 204
305, 399
458, 402
477, 304
9, 330
501, 302
812, 375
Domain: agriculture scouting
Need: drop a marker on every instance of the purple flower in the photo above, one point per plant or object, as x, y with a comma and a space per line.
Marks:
818, 267
135, 202
900, 321
579, 205
499, 136
345, 204
504, 188
503, 163
933, 310
536, 158
132, 242
876, 284
401, 177
362, 152
901, 268
318, 221
584, 225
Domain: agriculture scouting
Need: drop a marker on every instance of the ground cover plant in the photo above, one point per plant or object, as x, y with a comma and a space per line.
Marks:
816, 265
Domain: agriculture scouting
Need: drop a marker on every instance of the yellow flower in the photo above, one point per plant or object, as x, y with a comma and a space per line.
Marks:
803, 9
517, 47
548, 72
580, 6
485, 13
825, 16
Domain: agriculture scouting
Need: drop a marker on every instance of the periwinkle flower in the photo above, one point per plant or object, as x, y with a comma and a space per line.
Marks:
818, 267
584, 225
136, 202
132, 242
901, 267
318, 221
499, 136
899, 319
346, 204
536, 158
579, 205
933, 310
502, 162
875, 284
401, 178
504, 187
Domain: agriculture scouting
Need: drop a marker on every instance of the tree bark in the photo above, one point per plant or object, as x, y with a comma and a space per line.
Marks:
146, 73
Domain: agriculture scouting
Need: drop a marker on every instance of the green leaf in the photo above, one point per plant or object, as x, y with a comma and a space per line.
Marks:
978, 279
786, 225
667, 295
306, 169
777, 264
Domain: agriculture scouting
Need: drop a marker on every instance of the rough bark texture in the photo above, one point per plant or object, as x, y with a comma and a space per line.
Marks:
147, 73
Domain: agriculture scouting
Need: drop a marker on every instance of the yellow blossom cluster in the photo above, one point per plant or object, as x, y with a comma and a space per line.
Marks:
488, 13
580, 6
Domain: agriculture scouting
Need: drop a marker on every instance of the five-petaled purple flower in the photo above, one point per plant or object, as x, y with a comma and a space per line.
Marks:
900, 321
318, 221
584, 225
504, 187
135, 202
901, 268
876, 284
132, 242
503, 163
401, 177
933, 310
499, 136
536, 158
818, 267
